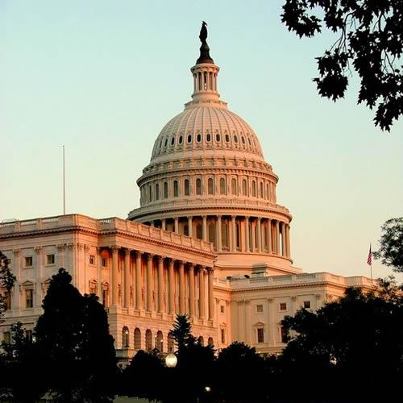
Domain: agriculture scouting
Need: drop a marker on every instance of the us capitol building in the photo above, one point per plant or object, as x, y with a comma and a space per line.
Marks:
209, 239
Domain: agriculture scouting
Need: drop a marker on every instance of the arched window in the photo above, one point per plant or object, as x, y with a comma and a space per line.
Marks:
208, 138
165, 190
227, 138
189, 138
171, 344
233, 186
244, 187
211, 233
149, 340
267, 191
222, 186
187, 187
125, 337
217, 137
157, 191
210, 341
236, 139
200, 340
137, 339
159, 341
180, 139
198, 186
176, 189
210, 186
253, 188
150, 193
198, 138
172, 141
261, 190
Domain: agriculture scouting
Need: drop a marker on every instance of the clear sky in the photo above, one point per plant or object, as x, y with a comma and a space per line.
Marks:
103, 77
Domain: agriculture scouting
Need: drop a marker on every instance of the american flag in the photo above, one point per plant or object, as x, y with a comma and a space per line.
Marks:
369, 260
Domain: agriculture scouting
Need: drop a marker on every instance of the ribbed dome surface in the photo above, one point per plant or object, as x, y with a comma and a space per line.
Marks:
206, 126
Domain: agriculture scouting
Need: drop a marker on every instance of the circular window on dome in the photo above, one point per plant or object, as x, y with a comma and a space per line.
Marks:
227, 138
198, 138
180, 139
217, 137
189, 138
208, 137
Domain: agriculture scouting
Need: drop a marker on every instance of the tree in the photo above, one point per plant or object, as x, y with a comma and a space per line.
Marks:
370, 39
74, 343
182, 332
359, 335
391, 250
7, 280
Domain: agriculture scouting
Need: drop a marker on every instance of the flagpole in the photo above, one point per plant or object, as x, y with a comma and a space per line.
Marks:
64, 181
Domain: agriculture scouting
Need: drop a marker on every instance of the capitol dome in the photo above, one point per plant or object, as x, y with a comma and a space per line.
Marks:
207, 178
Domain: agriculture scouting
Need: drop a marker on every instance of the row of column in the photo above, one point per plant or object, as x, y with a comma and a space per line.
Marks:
245, 234
171, 275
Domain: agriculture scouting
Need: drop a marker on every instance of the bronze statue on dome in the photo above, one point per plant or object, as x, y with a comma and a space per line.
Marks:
204, 48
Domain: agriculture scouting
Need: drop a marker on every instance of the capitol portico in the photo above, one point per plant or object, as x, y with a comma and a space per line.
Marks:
209, 239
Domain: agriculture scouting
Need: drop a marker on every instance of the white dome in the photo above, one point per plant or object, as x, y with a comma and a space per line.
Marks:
203, 127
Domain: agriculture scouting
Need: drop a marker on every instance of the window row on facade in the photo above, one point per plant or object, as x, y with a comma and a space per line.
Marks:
231, 186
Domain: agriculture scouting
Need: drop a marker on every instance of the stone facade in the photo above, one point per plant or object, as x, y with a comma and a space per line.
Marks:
209, 239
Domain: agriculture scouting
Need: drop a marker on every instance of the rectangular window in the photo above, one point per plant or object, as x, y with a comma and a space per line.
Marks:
50, 259
7, 300
283, 306
92, 259
259, 308
307, 304
223, 336
28, 261
260, 335
222, 308
104, 262
29, 298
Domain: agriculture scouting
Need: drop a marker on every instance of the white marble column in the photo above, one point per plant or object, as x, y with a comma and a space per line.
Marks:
210, 294
288, 240
277, 237
139, 296
127, 279
176, 225
233, 232
268, 235
160, 284
259, 235
150, 282
115, 275
253, 232
202, 294
247, 234
171, 290
283, 251
204, 228
163, 224
190, 226
191, 290
182, 309
219, 234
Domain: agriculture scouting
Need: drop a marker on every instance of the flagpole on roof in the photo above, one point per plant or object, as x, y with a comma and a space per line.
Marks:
369, 259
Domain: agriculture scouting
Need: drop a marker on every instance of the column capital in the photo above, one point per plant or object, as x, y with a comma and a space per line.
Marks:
149, 256
161, 258
16, 251
114, 248
38, 249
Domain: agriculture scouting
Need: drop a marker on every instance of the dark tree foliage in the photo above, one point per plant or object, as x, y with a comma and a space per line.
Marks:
391, 250
7, 280
241, 375
370, 40
182, 332
74, 344
358, 337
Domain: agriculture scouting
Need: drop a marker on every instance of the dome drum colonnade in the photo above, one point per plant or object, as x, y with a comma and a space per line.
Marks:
207, 178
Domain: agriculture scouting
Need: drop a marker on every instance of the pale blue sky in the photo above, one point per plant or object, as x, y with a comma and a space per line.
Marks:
103, 77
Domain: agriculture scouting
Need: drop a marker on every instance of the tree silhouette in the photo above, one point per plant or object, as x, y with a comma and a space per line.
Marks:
7, 280
391, 249
74, 344
370, 39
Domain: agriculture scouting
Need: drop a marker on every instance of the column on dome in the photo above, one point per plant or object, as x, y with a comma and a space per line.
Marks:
283, 251
190, 226
149, 296
277, 237
259, 235
253, 233
219, 234
182, 287
164, 224
139, 293
126, 300
233, 232
288, 240
115, 274
268, 235
191, 290
176, 228
210, 294
204, 228
171, 289
160, 284
246, 234
202, 291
